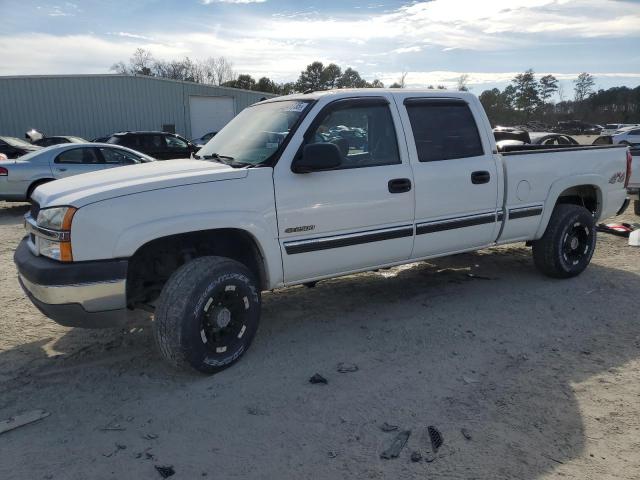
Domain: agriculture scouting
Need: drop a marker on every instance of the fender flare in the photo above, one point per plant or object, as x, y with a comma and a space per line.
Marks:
132, 239
563, 184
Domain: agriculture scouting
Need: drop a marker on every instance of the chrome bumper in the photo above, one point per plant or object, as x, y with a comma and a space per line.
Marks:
92, 297
81, 294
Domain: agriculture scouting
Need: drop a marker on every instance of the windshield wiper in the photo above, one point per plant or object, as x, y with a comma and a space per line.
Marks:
225, 159
214, 156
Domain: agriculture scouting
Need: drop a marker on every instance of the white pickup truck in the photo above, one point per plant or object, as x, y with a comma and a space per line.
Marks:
295, 190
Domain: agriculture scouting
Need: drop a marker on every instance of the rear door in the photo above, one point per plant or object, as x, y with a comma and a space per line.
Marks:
75, 161
358, 215
456, 177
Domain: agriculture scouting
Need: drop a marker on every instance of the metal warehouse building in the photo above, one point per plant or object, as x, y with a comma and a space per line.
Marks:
92, 106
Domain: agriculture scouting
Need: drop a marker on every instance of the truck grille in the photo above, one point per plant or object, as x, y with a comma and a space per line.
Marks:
35, 209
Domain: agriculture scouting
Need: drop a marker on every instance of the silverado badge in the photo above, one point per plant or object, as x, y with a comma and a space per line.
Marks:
304, 228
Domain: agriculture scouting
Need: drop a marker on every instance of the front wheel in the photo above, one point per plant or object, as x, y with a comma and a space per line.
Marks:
568, 244
207, 314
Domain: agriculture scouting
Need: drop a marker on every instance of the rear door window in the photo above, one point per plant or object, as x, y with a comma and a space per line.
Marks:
79, 156
443, 129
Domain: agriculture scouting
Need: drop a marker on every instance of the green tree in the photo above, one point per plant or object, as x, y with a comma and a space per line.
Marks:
330, 76
311, 78
583, 86
548, 85
351, 79
526, 96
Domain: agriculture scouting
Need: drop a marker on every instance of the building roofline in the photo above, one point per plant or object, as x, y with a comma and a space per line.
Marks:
112, 75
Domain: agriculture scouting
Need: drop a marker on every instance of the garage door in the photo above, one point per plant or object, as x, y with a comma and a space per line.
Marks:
210, 114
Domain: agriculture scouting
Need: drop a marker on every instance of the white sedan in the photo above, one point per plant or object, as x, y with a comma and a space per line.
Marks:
627, 136
20, 177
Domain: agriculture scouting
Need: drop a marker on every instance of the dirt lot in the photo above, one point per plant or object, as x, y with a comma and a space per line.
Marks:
544, 375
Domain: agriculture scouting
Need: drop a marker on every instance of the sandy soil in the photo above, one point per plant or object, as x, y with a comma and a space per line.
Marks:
544, 375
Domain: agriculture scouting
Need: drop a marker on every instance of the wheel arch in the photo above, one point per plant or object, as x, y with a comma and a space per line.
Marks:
155, 261
584, 190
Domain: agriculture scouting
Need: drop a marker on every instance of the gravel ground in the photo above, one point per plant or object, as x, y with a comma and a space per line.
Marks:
543, 375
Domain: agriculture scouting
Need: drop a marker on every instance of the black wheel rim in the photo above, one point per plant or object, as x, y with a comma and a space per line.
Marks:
576, 243
225, 319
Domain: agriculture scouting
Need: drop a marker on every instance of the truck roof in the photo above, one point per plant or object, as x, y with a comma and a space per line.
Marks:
355, 92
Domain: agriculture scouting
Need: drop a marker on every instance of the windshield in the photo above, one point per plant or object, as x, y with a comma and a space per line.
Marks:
15, 142
255, 134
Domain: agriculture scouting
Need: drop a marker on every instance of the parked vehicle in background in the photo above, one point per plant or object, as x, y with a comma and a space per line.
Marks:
627, 136
13, 147
515, 138
57, 140
577, 127
509, 133
634, 182
199, 142
20, 177
101, 139
611, 128
159, 145
197, 241
546, 138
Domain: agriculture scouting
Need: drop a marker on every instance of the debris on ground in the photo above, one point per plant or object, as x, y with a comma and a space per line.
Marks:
617, 229
397, 445
256, 411
317, 378
165, 471
347, 367
429, 457
116, 427
416, 456
332, 454
150, 436
436, 438
478, 277
22, 420
465, 433
387, 427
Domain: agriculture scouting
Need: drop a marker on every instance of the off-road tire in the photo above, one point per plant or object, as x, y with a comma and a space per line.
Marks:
568, 244
636, 207
184, 331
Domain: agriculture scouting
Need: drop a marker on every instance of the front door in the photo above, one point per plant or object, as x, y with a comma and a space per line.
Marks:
358, 215
455, 174
76, 161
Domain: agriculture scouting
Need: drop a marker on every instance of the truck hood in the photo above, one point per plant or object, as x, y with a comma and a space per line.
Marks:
80, 190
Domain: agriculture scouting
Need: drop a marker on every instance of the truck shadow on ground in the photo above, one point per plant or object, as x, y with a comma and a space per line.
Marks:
478, 341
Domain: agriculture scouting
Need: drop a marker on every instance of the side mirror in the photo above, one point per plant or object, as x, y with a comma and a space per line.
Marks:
317, 157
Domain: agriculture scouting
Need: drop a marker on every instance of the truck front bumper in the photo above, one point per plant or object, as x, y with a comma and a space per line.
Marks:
82, 294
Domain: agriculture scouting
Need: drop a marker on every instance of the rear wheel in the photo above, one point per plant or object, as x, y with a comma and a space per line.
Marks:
568, 244
207, 314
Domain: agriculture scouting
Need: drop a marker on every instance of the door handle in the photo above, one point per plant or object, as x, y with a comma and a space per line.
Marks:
62, 169
399, 185
480, 177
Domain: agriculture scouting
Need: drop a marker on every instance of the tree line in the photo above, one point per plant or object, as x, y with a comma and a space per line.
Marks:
529, 99
524, 100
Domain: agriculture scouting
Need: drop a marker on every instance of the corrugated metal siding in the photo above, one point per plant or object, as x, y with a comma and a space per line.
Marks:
96, 105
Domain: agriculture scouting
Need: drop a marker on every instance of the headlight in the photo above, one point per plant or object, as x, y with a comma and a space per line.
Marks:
56, 218
55, 235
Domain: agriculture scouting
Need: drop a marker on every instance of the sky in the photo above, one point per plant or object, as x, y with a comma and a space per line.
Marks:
434, 41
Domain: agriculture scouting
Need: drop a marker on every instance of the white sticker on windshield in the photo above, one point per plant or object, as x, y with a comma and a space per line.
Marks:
298, 107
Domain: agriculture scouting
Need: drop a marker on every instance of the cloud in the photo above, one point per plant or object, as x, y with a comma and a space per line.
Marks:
408, 38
